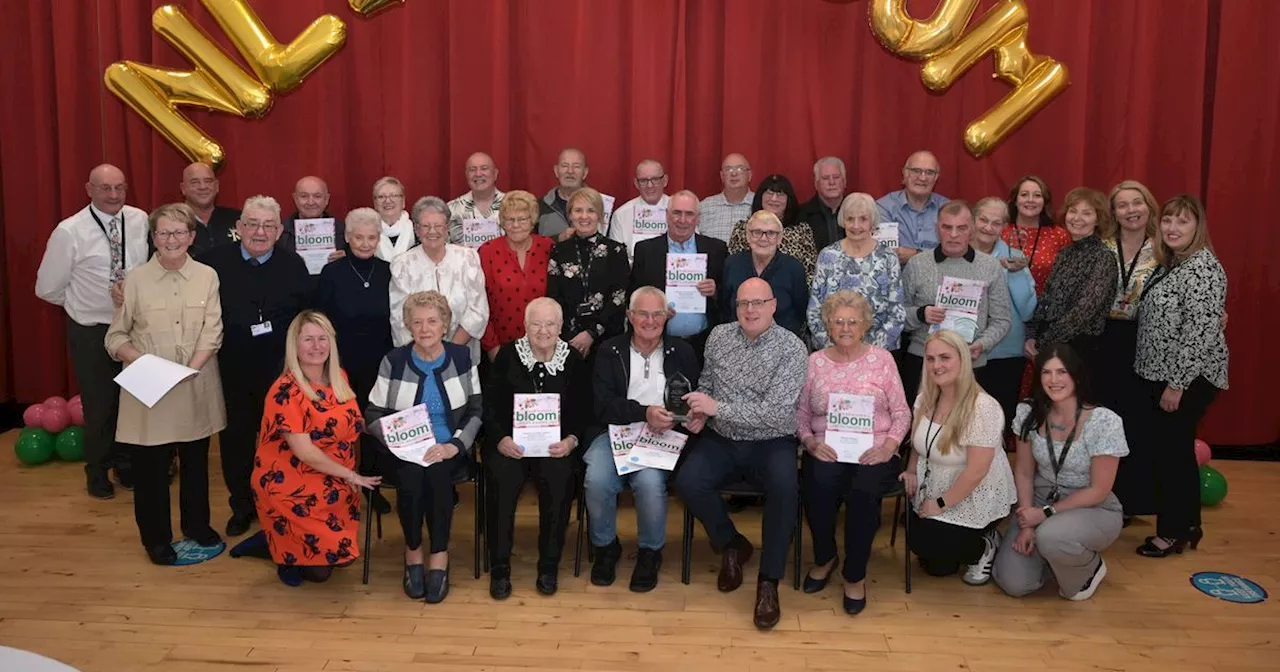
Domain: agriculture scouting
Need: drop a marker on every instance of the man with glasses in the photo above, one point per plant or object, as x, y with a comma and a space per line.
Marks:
215, 224
744, 412
311, 197
262, 288
733, 205
821, 211
631, 373
914, 207
86, 257
781, 271
644, 216
571, 175
482, 201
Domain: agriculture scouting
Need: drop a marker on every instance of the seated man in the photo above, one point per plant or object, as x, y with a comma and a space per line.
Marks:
631, 374
746, 399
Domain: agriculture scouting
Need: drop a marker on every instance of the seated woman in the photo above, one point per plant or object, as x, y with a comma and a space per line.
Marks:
306, 450
784, 274
442, 376
958, 475
1068, 454
775, 194
849, 365
538, 363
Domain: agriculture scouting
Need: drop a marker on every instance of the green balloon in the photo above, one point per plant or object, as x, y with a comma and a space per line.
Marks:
34, 446
1213, 486
69, 444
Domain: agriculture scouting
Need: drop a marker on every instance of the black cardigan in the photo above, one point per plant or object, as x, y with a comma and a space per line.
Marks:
509, 377
613, 377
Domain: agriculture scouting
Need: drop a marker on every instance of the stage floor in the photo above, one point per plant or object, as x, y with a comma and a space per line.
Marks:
77, 587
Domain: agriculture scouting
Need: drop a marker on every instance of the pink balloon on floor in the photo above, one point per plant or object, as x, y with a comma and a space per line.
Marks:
1203, 453
55, 402
56, 419
33, 416
76, 410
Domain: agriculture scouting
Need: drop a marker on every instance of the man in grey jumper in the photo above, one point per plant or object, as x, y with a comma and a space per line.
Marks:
923, 274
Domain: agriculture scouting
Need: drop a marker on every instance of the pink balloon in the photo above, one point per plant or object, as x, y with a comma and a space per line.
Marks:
33, 416
56, 419
76, 411
74, 401
1203, 453
55, 402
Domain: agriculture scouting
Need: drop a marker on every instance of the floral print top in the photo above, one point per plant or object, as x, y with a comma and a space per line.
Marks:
876, 276
588, 277
1131, 278
1182, 323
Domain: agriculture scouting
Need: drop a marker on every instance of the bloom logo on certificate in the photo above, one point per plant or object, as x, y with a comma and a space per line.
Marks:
850, 420
659, 451
650, 222
886, 234
408, 434
315, 240
684, 272
536, 423
621, 439
478, 231
961, 298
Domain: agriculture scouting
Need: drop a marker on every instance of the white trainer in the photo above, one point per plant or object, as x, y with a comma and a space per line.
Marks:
979, 573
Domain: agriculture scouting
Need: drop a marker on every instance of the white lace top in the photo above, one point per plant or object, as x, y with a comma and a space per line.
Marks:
994, 495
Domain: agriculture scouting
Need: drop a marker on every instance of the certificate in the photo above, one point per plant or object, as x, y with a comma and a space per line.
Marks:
887, 234
536, 423
314, 240
659, 451
684, 272
408, 434
961, 298
608, 208
149, 378
478, 231
850, 419
621, 438
650, 222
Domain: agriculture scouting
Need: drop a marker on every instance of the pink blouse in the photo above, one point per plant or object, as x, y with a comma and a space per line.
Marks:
873, 374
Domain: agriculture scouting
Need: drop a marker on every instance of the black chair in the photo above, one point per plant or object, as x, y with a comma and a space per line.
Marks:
740, 489
899, 494
584, 522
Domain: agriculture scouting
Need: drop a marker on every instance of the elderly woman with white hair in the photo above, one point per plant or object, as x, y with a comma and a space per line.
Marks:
858, 262
440, 266
396, 235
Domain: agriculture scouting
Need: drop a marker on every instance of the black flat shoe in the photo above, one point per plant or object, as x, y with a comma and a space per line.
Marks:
500, 583
98, 485
239, 524
853, 606
437, 585
812, 585
547, 583
414, 582
162, 554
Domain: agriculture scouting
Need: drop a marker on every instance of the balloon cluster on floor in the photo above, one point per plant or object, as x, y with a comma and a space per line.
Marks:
1213, 485
54, 427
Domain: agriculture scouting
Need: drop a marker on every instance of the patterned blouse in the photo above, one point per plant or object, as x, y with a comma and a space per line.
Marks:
797, 241
1079, 295
588, 277
510, 287
1181, 335
1041, 246
1101, 435
873, 374
992, 498
1138, 270
875, 276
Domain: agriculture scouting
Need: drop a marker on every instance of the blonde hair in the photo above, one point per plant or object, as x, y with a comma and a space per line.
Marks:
178, 212
967, 393
763, 216
428, 299
592, 198
1153, 209
385, 181
516, 202
847, 298
333, 369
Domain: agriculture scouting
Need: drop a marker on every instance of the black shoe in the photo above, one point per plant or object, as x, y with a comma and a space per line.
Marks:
644, 577
1175, 546
500, 583
548, 582
162, 554
124, 478
437, 585
854, 607
604, 569
98, 485
812, 585
206, 538
239, 524
414, 581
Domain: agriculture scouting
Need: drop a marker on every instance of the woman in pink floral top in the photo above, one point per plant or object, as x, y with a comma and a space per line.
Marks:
833, 470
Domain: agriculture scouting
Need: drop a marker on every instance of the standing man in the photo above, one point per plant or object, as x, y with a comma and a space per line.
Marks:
733, 205
644, 216
571, 173
822, 211
650, 267
484, 199
915, 207
215, 224
87, 255
262, 288
311, 197
923, 275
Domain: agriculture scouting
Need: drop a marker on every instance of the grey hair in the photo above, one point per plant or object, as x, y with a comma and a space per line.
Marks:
541, 302
262, 203
647, 290
697, 205
650, 162
362, 216
859, 202
428, 204
992, 200
817, 167
936, 162
384, 181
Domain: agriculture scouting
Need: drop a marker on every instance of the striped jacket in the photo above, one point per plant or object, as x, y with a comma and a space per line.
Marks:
399, 387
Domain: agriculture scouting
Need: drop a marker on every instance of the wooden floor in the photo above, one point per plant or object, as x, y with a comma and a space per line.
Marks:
76, 586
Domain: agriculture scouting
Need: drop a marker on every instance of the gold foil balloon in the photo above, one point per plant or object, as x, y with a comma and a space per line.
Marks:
905, 36
282, 67
370, 7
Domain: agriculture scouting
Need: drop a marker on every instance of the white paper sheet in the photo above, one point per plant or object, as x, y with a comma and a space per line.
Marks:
850, 420
314, 239
149, 378
684, 272
536, 423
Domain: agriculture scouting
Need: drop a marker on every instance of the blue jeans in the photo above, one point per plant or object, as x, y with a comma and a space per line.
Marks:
603, 485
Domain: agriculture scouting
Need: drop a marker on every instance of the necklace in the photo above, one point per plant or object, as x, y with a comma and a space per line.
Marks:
362, 278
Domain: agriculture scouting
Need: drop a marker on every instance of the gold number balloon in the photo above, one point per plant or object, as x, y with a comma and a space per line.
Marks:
370, 7
279, 66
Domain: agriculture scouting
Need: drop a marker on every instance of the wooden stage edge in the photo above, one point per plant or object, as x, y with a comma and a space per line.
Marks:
76, 586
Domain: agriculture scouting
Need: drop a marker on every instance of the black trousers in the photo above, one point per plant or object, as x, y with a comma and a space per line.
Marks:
95, 373
505, 477
1002, 378
244, 394
910, 368
426, 494
943, 547
151, 490
822, 486
1118, 388
1172, 438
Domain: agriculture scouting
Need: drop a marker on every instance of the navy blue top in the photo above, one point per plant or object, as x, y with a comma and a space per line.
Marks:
784, 274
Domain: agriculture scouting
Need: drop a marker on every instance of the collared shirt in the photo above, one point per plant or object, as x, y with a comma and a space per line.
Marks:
622, 227
648, 383
75, 272
755, 382
219, 230
464, 207
917, 229
262, 259
719, 215
684, 325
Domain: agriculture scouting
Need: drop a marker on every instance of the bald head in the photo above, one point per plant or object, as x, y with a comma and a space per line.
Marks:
735, 173
755, 307
106, 188
482, 173
920, 174
199, 186
311, 196
651, 180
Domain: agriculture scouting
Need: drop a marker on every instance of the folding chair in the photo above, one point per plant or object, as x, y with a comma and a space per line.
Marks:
740, 489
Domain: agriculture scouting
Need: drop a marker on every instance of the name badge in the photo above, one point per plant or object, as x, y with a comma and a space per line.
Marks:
260, 329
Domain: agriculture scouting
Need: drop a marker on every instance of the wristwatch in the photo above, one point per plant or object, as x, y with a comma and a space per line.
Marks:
942, 503
1049, 510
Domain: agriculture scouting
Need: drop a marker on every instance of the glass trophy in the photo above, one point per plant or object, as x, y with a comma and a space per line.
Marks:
677, 387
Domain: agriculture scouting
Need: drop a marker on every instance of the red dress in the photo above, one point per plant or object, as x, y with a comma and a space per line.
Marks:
1041, 245
510, 288
310, 519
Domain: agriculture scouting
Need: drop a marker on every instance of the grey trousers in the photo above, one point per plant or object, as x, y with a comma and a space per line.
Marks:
1069, 546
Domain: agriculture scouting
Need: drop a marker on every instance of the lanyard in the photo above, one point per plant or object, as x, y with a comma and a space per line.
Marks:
103, 227
1031, 260
1160, 274
1056, 461
1127, 273
928, 448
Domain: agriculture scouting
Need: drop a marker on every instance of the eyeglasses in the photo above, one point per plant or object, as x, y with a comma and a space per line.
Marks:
763, 234
433, 227
922, 172
846, 322
383, 198
775, 193
170, 235
752, 303
543, 326
648, 315
259, 226
735, 170
522, 219
650, 181
109, 188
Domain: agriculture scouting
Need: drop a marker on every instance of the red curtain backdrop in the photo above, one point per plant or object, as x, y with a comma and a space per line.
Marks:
1175, 93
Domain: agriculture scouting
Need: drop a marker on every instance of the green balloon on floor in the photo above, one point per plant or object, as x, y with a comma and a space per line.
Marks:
69, 444
34, 446
1213, 486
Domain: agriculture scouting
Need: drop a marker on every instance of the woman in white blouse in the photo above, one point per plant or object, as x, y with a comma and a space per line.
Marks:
437, 265
958, 475
397, 227
1068, 453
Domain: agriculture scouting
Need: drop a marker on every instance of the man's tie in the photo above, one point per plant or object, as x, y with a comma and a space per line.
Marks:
253, 261
117, 250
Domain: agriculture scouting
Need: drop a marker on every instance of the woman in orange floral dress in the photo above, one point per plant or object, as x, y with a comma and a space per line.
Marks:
304, 479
